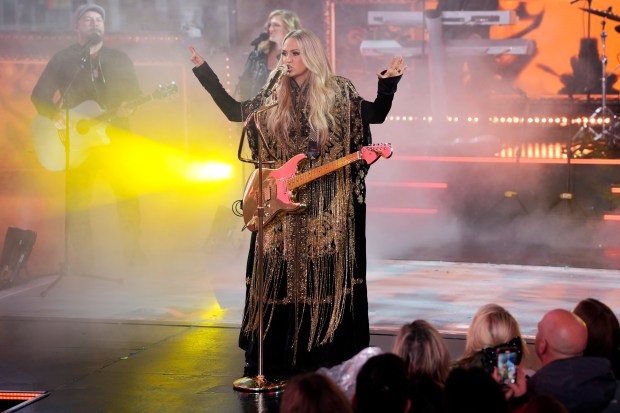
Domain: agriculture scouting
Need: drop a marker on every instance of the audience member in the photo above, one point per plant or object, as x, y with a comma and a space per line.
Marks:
345, 373
427, 360
472, 390
492, 327
382, 386
313, 393
581, 384
544, 404
603, 331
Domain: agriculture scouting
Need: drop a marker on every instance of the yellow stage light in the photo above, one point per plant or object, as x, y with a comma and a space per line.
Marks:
208, 171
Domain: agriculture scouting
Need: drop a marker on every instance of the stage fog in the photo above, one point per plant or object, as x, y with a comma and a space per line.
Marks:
463, 183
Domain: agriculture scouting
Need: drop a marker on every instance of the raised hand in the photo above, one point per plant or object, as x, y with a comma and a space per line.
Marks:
396, 68
196, 59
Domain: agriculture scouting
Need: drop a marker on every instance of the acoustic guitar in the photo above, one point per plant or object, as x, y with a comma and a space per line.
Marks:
87, 130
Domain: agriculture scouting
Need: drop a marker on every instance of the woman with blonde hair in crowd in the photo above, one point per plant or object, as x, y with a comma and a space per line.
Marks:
494, 329
491, 328
427, 359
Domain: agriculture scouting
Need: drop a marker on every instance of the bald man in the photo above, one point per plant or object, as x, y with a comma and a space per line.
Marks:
561, 335
582, 384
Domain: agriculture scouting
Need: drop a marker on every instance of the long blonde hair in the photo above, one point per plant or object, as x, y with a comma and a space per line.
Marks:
321, 91
492, 325
290, 19
424, 351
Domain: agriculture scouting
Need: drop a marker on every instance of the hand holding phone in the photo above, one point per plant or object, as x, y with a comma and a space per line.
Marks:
506, 365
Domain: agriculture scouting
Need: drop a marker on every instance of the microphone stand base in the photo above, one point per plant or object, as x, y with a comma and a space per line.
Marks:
258, 384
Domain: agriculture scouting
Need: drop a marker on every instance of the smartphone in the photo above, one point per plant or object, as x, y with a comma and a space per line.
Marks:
506, 365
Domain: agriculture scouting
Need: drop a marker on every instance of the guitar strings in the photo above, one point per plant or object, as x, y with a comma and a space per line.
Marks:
96, 72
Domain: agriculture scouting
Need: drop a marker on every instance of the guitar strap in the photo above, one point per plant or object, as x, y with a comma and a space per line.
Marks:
97, 72
313, 146
97, 79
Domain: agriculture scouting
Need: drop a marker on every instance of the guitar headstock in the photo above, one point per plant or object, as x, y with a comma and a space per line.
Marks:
166, 91
372, 152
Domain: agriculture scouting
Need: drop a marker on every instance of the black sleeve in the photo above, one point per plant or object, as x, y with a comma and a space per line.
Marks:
227, 104
125, 86
377, 111
47, 85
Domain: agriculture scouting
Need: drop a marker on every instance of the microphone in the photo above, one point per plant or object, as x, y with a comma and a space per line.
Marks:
92, 39
262, 37
282, 70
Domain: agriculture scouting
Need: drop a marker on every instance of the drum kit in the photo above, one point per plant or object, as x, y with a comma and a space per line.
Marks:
600, 136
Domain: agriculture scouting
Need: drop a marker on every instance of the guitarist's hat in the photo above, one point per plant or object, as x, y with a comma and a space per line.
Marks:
79, 12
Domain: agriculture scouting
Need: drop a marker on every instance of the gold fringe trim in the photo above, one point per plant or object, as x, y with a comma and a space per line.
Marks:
309, 258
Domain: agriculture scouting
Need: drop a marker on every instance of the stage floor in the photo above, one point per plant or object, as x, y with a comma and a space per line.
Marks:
164, 338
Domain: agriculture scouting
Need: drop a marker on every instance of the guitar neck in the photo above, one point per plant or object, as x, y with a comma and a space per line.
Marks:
131, 105
139, 101
309, 176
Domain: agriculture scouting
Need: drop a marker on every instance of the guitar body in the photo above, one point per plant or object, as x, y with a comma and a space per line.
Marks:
277, 197
87, 130
48, 143
279, 184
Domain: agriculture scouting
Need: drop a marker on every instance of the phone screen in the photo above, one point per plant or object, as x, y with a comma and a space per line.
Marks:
506, 366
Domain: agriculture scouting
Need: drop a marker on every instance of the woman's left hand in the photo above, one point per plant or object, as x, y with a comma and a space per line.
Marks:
397, 67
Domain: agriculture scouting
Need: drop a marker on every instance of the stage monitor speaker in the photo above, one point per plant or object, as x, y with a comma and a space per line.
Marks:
18, 244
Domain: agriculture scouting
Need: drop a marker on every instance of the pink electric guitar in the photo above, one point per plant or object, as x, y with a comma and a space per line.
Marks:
279, 185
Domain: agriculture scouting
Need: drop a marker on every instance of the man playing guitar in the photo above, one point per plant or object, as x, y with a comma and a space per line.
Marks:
88, 72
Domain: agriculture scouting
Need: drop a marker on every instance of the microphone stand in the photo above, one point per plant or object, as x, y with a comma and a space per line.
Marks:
258, 383
65, 268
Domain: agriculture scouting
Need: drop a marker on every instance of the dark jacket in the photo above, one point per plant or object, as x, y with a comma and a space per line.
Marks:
67, 75
254, 75
582, 384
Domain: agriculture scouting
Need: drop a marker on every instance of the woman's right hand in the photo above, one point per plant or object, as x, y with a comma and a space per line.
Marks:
516, 389
397, 68
196, 59
519, 387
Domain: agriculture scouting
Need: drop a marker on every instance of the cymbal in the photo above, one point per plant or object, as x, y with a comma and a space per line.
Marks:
607, 14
